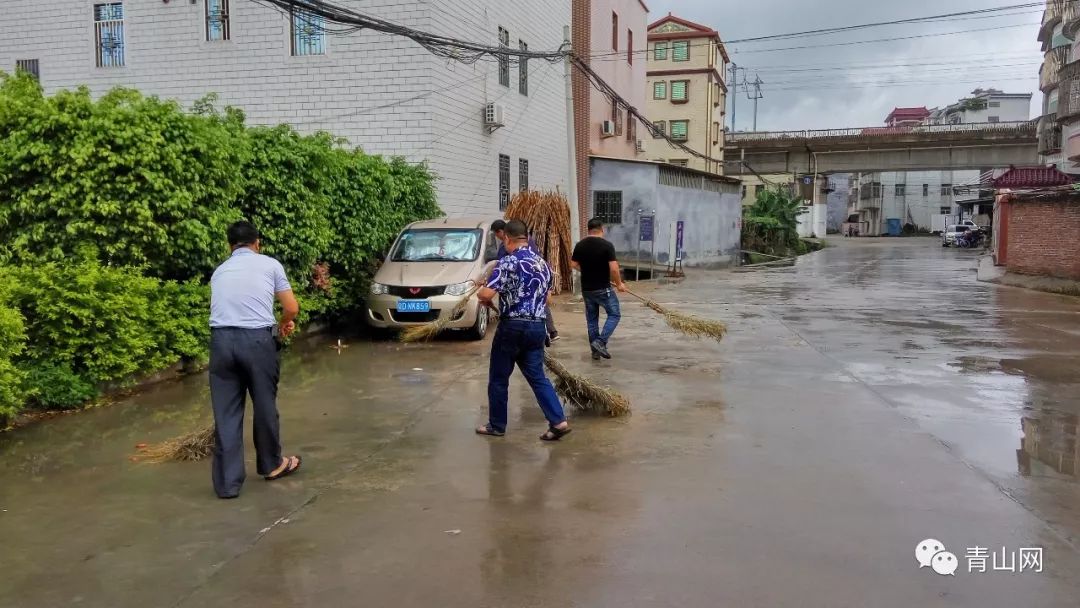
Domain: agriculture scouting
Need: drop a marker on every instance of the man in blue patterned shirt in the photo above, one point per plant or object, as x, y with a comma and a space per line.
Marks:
522, 280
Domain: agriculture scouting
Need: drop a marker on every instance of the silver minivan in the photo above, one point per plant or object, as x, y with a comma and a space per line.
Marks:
430, 266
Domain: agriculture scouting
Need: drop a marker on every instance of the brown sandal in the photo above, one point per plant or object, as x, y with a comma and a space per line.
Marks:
288, 470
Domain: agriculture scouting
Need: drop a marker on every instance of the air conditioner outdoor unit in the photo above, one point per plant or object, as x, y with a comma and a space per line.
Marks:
493, 116
607, 128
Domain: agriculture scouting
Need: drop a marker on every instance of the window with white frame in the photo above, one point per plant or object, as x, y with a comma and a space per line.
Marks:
109, 34
661, 127
308, 32
659, 89
217, 20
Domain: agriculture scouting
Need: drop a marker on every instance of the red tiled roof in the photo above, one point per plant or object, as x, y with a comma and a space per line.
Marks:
1032, 177
685, 22
916, 113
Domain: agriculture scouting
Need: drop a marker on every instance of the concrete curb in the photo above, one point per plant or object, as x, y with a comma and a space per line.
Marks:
988, 273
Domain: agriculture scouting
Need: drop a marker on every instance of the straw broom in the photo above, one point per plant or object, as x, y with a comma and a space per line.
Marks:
689, 325
583, 394
428, 331
193, 447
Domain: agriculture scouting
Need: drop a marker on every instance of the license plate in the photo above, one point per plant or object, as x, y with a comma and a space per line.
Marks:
413, 306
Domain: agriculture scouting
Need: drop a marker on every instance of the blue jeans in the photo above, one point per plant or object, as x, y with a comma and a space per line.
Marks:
520, 342
594, 300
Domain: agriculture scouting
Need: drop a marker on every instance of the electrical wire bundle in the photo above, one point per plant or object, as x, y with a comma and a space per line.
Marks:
447, 47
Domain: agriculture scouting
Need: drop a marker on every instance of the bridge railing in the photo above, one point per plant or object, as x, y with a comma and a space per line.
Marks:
1019, 127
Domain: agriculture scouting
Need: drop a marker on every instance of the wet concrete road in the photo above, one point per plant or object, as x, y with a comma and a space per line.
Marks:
868, 398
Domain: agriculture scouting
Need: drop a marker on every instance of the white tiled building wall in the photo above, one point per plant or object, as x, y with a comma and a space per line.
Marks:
386, 95
913, 207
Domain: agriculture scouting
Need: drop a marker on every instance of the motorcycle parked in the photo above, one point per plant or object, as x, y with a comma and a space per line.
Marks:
970, 239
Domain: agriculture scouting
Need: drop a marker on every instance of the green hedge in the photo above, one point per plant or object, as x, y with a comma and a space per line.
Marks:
113, 216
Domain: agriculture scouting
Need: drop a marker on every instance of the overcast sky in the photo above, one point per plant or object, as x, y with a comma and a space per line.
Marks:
864, 82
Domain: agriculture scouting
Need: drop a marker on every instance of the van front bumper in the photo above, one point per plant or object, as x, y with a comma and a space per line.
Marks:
382, 312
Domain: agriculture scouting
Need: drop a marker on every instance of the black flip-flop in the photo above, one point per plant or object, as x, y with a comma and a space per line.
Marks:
490, 432
287, 471
555, 434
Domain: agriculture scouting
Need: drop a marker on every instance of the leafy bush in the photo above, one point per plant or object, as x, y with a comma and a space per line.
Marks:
771, 224
57, 387
113, 215
12, 342
106, 324
126, 180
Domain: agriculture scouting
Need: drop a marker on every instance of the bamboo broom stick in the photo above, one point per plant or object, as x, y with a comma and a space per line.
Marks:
686, 324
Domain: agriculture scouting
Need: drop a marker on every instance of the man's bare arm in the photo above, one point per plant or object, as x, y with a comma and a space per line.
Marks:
289, 309
616, 276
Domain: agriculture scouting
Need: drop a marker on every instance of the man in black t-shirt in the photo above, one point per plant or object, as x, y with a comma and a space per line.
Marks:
594, 257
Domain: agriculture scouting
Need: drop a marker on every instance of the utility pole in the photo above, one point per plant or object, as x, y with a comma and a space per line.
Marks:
734, 69
757, 95
572, 185
571, 147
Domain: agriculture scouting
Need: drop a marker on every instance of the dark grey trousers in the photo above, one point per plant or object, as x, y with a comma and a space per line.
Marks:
242, 362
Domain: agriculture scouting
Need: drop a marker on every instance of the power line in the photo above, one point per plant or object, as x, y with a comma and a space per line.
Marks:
848, 28
392, 104
437, 44
618, 55
469, 52
876, 40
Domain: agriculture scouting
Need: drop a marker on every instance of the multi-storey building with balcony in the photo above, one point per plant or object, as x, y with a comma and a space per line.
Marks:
1066, 94
1057, 46
687, 95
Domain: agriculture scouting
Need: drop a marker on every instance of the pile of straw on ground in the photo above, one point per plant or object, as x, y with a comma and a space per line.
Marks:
192, 447
547, 215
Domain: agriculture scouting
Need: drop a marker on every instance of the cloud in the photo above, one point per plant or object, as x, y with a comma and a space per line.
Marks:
857, 85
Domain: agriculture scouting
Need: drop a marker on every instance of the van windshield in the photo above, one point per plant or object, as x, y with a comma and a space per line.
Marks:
438, 245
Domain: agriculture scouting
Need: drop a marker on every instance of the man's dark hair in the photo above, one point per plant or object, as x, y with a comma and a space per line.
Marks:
498, 225
242, 233
595, 224
516, 229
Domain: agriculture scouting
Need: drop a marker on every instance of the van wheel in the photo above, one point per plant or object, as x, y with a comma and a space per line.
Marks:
479, 329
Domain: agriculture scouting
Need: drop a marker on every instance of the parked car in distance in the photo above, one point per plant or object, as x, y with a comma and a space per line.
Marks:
948, 238
428, 269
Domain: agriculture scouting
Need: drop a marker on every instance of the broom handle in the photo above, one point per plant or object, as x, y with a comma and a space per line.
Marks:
643, 299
